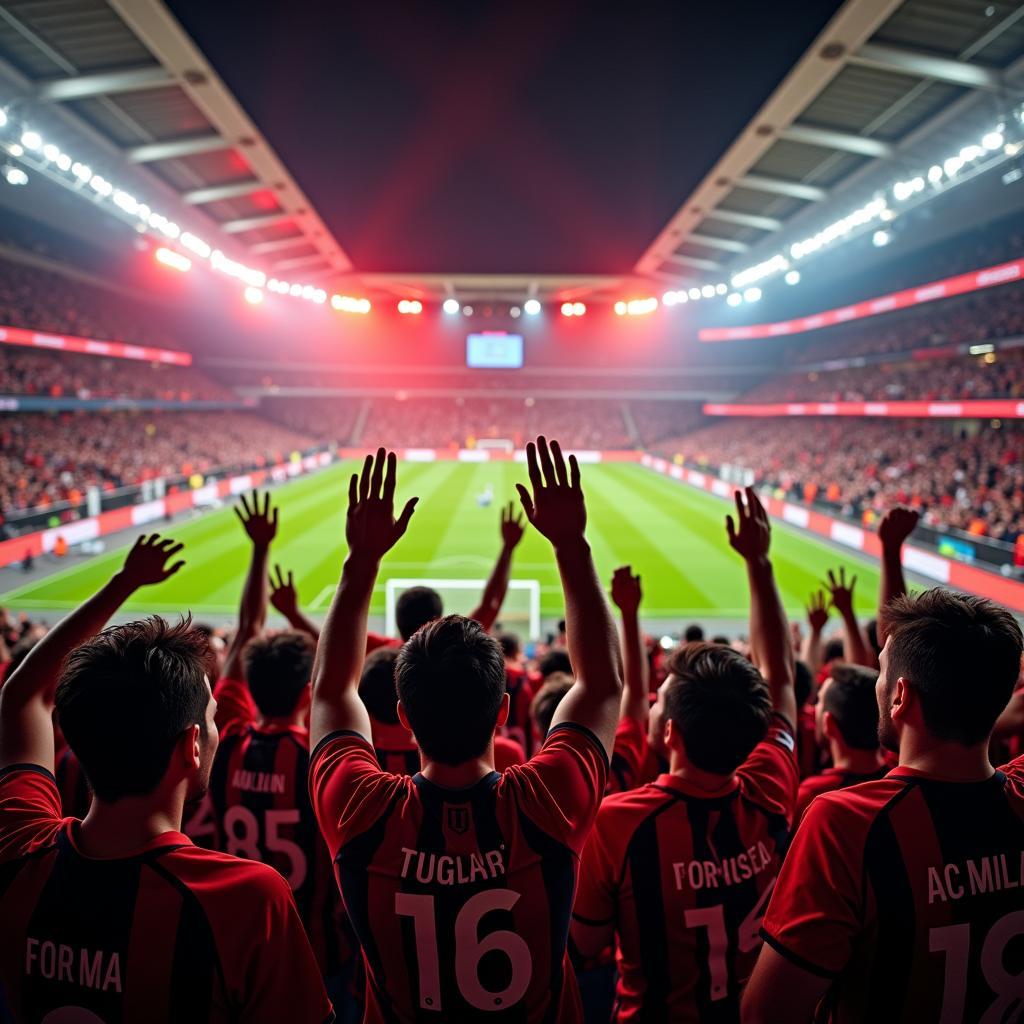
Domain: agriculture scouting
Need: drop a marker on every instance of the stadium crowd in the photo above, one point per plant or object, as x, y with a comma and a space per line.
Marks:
991, 375
66, 374
47, 459
766, 830
60, 304
968, 480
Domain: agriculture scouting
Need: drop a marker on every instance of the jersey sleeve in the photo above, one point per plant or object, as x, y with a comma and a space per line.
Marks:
595, 892
348, 790
235, 709
770, 776
814, 915
560, 787
628, 756
30, 814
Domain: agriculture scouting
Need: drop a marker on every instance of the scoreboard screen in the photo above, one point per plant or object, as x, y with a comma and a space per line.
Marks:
494, 350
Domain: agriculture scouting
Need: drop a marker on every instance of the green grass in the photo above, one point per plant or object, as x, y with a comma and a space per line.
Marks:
673, 535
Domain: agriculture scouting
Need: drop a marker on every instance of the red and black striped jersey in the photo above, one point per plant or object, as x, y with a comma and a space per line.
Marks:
908, 894
395, 748
827, 781
171, 933
461, 898
629, 756
75, 795
259, 789
519, 726
685, 875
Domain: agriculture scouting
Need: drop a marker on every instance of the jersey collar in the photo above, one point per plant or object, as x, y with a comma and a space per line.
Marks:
165, 839
684, 788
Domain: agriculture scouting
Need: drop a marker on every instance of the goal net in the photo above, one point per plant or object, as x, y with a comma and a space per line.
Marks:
520, 613
495, 444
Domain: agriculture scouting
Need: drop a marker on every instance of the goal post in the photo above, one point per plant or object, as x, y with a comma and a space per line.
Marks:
459, 597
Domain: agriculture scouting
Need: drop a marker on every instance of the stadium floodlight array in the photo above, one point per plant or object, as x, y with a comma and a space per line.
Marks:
636, 307
25, 144
573, 309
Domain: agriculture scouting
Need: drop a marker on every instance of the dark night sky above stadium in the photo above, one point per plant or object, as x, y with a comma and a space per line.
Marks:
501, 137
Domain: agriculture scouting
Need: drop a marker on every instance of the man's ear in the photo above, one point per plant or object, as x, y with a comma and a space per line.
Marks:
503, 711
401, 716
902, 700
189, 750
828, 726
673, 737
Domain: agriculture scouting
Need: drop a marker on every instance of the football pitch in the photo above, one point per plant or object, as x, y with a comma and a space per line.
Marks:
673, 535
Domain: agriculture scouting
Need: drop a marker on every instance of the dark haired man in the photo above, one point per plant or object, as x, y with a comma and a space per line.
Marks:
678, 872
259, 786
846, 724
459, 880
119, 916
902, 899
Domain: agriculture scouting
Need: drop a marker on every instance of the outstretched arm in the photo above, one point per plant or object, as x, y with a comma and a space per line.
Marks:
556, 508
27, 697
512, 529
371, 531
261, 527
855, 645
750, 536
627, 594
896, 526
817, 617
285, 598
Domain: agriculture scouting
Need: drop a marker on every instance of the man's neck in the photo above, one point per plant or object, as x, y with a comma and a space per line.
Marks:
856, 762
119, 829
711, 782
459, 776
944, 760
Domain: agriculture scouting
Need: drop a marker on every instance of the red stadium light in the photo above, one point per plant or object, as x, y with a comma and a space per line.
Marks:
175, 260
410, 307
349, 304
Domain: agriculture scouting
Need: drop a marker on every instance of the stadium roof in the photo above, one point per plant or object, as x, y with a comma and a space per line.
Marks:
127, 78
888, 86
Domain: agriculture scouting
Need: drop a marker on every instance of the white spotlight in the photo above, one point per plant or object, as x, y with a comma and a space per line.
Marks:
793, 277
735, 299
721, 288
15, 175
451, 306
531, 307
752, 294
880, 238
708, 291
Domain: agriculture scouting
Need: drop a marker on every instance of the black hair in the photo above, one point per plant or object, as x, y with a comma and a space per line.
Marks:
850, 700
277, 668
833, 650
960, 653
377, 685
556, 660
415, 608
126, 696
693, 634
547, 699
509, 644
451, 680
720, 704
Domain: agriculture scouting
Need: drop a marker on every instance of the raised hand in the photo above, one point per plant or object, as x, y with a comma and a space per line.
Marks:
817, 611
259, 524
147, 561
556, 507
513, 526
626, 590
283, 595
841, 592
897, 525
750, 535
371, 528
